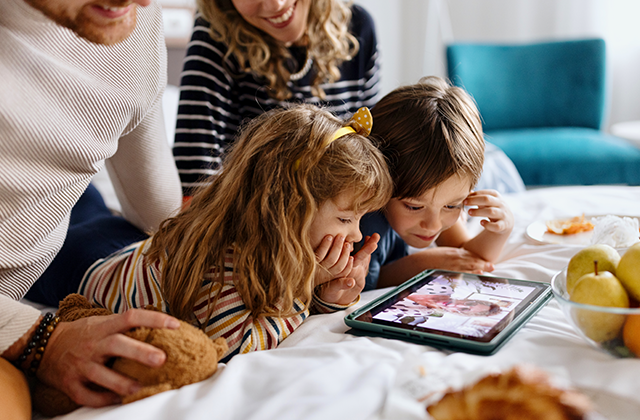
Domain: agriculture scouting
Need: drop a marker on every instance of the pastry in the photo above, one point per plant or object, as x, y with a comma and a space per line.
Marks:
522, 393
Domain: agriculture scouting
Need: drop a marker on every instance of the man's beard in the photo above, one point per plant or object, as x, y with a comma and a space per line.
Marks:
117, 31
86, 27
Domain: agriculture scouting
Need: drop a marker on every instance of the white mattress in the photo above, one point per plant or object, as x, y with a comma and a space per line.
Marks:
321, 372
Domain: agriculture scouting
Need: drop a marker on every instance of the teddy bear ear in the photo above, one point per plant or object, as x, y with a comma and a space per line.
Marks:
221, 346
76, 306
74, 301
71, 304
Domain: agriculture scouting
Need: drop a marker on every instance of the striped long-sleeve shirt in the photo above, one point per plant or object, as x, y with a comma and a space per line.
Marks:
125, 280
215, 97
68, 107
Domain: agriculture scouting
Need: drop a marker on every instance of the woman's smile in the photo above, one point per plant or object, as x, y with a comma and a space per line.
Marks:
283, 19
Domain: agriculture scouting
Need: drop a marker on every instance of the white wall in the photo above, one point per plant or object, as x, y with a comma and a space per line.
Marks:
400, 39
412, 35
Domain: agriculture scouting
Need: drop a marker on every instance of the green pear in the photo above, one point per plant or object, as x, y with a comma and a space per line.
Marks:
628, 270
582, 262
600, 288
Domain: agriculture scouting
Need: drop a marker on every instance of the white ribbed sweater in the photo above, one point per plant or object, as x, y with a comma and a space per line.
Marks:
66, 105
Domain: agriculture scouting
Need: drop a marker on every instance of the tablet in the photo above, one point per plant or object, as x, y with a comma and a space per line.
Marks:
451, 310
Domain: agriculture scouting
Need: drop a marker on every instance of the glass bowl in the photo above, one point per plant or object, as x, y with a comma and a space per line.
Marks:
600, 326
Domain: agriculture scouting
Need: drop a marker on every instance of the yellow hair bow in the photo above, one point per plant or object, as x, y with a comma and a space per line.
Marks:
361, 122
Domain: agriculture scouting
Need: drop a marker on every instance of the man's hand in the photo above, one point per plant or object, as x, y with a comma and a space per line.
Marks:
77, 352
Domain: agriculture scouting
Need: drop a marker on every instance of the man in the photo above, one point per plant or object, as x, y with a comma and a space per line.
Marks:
66, 105
81, 83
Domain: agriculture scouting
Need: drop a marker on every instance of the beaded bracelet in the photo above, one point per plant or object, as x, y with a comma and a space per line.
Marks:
38, 343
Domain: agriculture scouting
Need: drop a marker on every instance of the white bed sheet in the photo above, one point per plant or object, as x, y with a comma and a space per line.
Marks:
322, 372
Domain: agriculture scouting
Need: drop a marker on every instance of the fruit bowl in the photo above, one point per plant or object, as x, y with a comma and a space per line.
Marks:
602, 327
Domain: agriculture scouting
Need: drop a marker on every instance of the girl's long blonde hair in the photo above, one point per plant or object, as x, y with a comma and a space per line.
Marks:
329, 43
276, 175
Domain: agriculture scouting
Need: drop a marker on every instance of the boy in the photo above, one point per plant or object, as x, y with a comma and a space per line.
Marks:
431, 136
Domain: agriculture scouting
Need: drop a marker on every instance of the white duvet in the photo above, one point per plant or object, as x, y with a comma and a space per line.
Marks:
323, 372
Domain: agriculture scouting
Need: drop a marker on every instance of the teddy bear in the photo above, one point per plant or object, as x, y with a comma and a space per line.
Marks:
191, 357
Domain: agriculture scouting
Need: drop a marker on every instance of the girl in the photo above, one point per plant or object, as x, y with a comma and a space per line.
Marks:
266, 241
248, 56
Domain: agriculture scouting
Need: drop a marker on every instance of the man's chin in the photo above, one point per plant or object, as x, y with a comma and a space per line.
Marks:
109, 34
102, 38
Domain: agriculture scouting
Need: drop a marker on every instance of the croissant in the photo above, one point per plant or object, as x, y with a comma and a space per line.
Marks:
522, 393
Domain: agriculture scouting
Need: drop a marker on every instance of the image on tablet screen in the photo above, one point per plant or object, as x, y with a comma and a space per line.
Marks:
469, 306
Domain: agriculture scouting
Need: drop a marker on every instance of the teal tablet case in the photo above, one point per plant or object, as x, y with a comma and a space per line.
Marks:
362, 328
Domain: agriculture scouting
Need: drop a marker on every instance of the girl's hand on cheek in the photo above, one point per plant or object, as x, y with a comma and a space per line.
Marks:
333, 256
344, 290
341, 291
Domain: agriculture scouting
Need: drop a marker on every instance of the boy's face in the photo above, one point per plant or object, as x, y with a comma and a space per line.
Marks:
419, 221
101, 21
334, 218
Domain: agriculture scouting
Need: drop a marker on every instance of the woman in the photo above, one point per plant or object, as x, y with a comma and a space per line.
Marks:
249, 56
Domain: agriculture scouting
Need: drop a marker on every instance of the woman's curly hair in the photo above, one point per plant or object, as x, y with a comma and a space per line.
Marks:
327, 36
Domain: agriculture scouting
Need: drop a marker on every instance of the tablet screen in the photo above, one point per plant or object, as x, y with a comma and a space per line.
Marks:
456, 305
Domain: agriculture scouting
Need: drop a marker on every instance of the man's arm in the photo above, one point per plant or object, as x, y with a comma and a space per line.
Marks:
15, 321
144, 174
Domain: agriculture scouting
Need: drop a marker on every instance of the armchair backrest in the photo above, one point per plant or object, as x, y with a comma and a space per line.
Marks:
550, 84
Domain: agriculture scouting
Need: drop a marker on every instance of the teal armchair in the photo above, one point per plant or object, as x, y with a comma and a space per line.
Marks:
543, 104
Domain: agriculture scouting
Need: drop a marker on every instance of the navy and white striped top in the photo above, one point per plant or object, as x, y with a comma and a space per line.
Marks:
213, 104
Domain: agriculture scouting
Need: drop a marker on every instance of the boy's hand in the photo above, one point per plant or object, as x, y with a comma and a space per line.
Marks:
345, 289
497, 216
454, 259
333, 255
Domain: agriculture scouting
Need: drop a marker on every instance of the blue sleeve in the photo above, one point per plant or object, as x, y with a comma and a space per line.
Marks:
390, 247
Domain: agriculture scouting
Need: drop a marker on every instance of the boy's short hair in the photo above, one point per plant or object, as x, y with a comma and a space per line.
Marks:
428, 132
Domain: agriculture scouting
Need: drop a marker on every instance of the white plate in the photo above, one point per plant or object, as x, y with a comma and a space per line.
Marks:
537, 232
